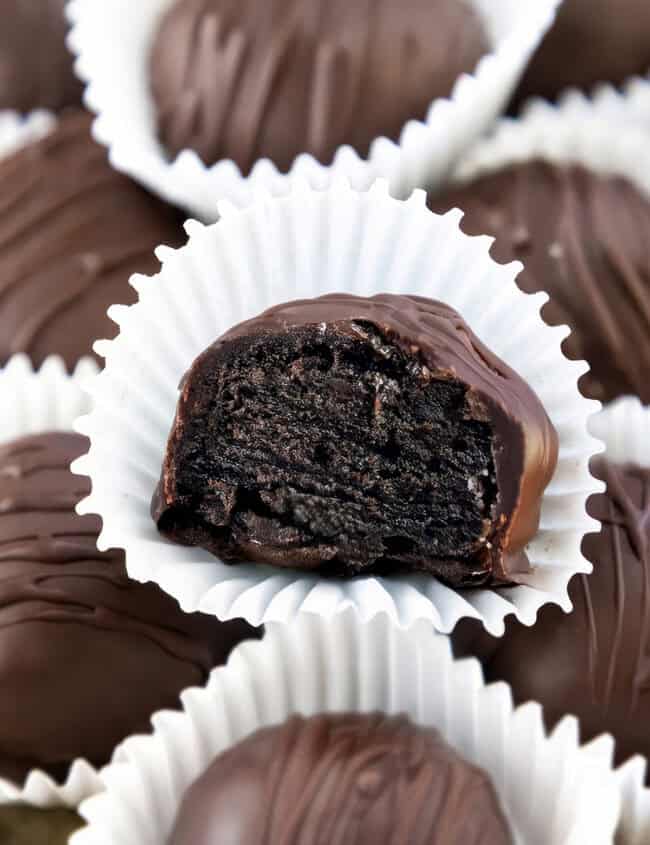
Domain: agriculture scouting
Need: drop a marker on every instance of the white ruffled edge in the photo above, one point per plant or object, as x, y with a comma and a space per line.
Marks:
112, 42
605, 132
18, 130
47, 399
312, 666
135, 396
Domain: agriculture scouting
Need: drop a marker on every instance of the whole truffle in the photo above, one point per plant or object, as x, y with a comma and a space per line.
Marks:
593, 662
349, 436
72, 231
86, 654
35, 65
247, 80
591, 41
347, 779
581, 238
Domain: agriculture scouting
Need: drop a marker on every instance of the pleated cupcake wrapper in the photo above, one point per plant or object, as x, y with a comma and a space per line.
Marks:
48, 399
17, 130
304, 245
113, 41
551, 790
605, 133
624, 427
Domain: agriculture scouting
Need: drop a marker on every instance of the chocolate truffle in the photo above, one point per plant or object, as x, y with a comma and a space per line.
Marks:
86, 654
349, 436
591, 41
346, 778
582, 239
247, 80
35, 64
23, 825
72, 231
594, 662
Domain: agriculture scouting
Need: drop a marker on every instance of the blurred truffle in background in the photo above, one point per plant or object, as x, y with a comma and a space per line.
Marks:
592, 41
36, 67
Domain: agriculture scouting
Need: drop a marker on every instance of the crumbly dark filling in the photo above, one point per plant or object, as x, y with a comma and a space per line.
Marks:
329, 447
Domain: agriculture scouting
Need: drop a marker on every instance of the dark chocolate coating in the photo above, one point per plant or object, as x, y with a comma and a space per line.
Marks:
35, 65
243, 80
581, 237
72, 231
86, 654
23, 825
387, 437
346, 779
593, 662
591, 41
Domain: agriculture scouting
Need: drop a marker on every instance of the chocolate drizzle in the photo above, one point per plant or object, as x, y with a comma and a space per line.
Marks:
594, 662
65, 606
243, 80
580, 237
72, 231
343, 779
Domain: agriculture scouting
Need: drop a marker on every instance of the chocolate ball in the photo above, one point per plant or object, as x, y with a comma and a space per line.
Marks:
250, 80
350, 436
86, 654
593, 662
35, 65
347, 779
72, 231
591, 41
581, 238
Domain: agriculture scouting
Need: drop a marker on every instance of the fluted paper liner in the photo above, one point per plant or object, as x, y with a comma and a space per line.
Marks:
552, 792
48, 399
17, 130
113, 41
304, 245
605, 133
624, 427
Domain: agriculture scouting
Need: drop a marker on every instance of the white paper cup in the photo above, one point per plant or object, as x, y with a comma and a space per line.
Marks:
113, 42
18, 130
624, 428
605, 133
304, 245
33, 401
552, 792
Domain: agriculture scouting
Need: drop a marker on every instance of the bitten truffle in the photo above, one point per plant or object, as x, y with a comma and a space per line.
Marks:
348, 436
348, 779
247, 80
86, 654
594, 661
581, 238
72, 231
35, 65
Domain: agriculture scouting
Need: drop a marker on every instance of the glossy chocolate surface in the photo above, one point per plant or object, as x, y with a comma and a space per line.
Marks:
345, 779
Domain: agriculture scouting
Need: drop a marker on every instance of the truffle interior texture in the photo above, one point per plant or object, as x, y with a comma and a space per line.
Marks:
331, 447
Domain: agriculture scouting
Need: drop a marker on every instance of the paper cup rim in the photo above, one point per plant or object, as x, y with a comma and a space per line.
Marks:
47, 398
380, 653
18, 130
187, 182
578, 128
262, 594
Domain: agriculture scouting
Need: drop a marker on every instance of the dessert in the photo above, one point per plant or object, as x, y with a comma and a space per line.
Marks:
347, 779
72, 232
580, 237
86, 654
246, 81
347, 436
